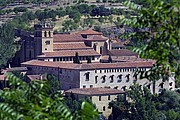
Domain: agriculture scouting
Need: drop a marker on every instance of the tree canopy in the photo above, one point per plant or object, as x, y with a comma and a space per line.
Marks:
7, 44
35, 101
157, 29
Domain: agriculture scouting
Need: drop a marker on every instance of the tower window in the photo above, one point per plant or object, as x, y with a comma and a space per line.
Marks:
49, 33
99, 98
87, 76
47, 42
104, 108
109, 97
45, 34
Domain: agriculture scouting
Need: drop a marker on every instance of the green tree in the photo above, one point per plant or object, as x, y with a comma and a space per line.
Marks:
157, 28
141, 106
32, 102
7, 44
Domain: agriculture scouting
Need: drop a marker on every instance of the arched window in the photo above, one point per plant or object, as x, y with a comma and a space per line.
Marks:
161, 85
128, 77
123, 88
101, 50
87, 76
104, 108
49, 33
96, 78
45, 34
112, 78
119, 78
94, 47
104, 78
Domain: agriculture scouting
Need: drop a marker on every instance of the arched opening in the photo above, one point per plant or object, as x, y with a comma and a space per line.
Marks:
105, 48
101, 50
94, 47
49, 33
45, 34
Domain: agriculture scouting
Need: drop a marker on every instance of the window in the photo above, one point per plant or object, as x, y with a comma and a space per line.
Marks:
149, 86
112, 78
119, 78
170, 83
87, 76
109, 97
104, 108
45, 34
30, 54
101, 50
99, 98
84, 86
104, 78
96, 77
47, 42
95, 71
128, 77
124, 88
161, 85
93, 58
49, 33
100, 71
91, 86
60, 70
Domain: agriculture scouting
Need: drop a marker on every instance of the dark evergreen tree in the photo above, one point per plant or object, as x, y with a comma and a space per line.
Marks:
76, 58
110, 59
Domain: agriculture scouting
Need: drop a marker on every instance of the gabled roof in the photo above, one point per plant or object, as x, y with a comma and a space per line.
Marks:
68, 53
70, 46
89, 32
67, 38
95, 91
122, 52
96, 38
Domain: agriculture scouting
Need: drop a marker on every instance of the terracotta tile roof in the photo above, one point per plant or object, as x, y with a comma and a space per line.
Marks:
122, 52
97, 38
90, 66
118, 43
67, 38
68, 53
89, 32
70, 46
95, 91
122, 58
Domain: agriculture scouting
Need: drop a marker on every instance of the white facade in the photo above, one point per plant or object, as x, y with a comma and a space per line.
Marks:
117, 78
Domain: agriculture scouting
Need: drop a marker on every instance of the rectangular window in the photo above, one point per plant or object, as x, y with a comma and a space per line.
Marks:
99, 98
87, 76
109, 97
91, 86
47, 42
104, 108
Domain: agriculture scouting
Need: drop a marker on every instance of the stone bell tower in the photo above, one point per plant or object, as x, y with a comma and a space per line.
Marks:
43, 37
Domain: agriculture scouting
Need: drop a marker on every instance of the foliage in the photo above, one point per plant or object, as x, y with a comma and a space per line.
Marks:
157, 29
142, 105
7, 44
32, 102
